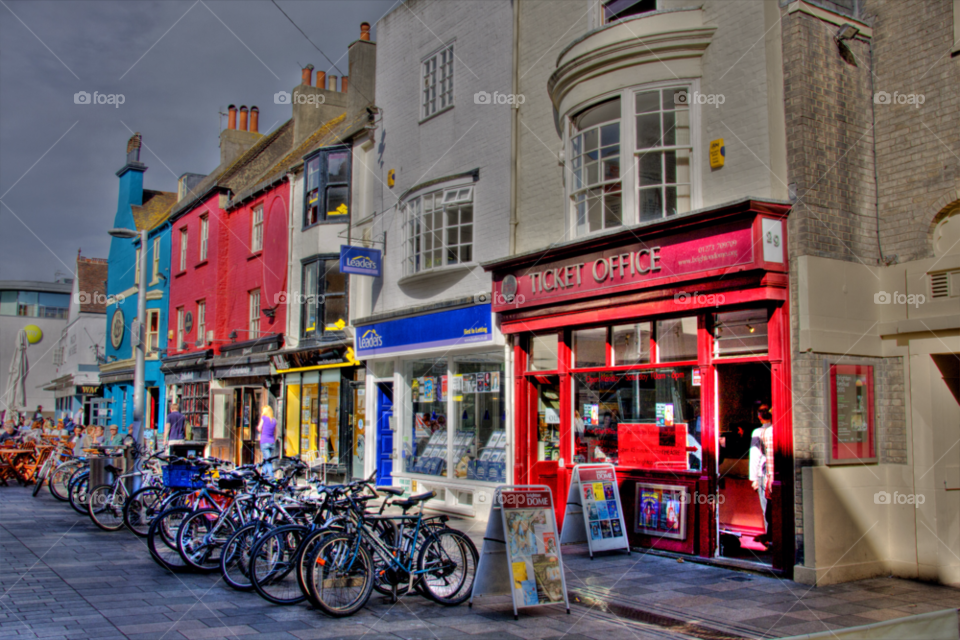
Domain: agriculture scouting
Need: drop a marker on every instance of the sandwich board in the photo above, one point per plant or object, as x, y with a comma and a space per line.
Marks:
521, 552
594, 511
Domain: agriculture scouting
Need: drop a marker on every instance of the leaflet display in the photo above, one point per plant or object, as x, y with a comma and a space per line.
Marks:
594, 512
521, 553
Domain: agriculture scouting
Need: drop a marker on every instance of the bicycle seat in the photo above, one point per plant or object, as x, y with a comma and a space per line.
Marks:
413, 500
112, 469
394, 491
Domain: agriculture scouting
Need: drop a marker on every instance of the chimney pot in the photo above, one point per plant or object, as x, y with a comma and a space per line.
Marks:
321, 79
364, 30
306, 75
332, 82
243, 117
343, 84
232, 117
254, 119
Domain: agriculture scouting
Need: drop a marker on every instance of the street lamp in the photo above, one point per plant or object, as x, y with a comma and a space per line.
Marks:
136, 331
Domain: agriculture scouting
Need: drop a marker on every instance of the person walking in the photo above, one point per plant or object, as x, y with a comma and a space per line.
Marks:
268, 437
761, 469
176, 425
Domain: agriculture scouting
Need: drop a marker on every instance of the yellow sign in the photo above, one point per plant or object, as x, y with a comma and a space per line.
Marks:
718, 153
34, 334
342, 210
391, 178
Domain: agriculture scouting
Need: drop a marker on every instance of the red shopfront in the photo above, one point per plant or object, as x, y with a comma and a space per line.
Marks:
653, 348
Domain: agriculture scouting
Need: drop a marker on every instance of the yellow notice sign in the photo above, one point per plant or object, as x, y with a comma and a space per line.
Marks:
718, 153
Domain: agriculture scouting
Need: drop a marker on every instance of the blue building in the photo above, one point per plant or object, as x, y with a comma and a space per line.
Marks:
139, 209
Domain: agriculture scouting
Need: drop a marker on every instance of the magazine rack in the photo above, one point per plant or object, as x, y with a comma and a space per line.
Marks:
594, 512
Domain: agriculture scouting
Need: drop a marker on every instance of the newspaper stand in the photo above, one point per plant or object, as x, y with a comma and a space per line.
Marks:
521, 553
594, 512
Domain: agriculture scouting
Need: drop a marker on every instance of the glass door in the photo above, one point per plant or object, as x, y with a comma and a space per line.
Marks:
222, 437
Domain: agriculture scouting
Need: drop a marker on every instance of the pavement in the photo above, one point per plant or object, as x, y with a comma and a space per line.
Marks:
61, 577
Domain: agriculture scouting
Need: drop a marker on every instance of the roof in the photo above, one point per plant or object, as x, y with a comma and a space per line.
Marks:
34, 285
92, 276
154, 210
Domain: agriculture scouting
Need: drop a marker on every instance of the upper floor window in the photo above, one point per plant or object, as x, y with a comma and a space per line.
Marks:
35, 304
153, 331
204, 236
155, 272
664, 152
439, 229
324, 299
614, 10
254, 307
256, 230
595, 164
437, 74
183, 249
327, 194
180, 325
201, 321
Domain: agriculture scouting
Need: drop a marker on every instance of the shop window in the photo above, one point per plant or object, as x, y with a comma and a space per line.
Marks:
327, 185
195, 407
425, 434
664, 152
291, 427
329, 418
324, 298
590, 348
309, 420
543, 352
677, 339
548, 421
740, 333
644, 419
595, 168
479, 418
631, 343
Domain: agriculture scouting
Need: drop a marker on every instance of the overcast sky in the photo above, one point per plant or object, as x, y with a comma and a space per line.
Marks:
177, 64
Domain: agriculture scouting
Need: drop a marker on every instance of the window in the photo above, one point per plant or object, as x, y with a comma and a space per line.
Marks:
677, 339
544, 351
204, 236
155, 272
179, 344
201, 321
256, 231
590, 348
183, 249
437, 82
327, 186
664, 152
254, 308
324, 299
34, 304
153, 331
740, 333
631, 343
136, 268
439, 229
616, 10
595, 165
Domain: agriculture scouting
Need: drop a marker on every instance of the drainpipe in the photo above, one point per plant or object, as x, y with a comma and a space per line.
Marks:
291, 180
514, 120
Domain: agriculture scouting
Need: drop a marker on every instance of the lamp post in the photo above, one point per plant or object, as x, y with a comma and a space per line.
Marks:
136, 331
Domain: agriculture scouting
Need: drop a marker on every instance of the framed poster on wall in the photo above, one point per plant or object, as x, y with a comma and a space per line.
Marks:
661, 511
853, 434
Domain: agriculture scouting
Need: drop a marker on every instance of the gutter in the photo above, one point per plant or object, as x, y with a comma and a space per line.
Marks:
514, 118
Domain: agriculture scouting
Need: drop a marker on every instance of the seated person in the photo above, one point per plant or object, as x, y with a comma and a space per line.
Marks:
9, 432
116, 438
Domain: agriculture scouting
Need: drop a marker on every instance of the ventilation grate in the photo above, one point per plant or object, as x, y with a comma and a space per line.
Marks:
940, 285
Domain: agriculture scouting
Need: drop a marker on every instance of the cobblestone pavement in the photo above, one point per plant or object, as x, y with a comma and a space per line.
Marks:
61, 577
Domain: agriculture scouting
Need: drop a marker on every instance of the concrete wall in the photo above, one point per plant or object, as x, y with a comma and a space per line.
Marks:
39, 356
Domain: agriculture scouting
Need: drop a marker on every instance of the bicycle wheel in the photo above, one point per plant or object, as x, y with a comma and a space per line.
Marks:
235, 557
162, 539
273, 559
41, 475
105, 506
448, 566
79, 493
201, 537
340, 575
60, 478
141, 508
385, 576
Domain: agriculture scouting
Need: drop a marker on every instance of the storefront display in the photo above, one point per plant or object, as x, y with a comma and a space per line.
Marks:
194, 400
852, 432
661, 510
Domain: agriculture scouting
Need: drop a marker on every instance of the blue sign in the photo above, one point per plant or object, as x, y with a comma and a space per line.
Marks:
466, 325
361, 261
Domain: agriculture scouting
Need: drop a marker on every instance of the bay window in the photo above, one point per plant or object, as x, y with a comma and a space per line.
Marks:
595, 163
327, 186
663, 152
323, 298
439, 229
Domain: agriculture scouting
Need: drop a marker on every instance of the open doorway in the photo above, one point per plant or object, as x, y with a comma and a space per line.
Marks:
741, 390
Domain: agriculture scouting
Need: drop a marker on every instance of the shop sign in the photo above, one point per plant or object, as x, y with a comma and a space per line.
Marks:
521, 553
594, 511
187, 376
242, 371
361, 261
661, 511
466, 325
89, 390
624, 268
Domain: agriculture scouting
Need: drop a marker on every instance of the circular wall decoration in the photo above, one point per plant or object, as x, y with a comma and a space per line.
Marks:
509, 288
34, 334
116, 329
188, 323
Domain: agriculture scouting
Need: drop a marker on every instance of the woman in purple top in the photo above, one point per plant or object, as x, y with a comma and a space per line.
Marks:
268, 437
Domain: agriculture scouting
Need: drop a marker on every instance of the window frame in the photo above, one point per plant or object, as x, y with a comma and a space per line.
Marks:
256, 229
629, 179
204, 237
324, 185
318, 297
153, 336
181, 312
253, 308
201, 320
603, 185
431, 63
184, 237
413, 216
155, 275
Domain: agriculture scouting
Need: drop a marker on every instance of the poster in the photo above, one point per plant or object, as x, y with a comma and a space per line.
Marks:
664, 414
661, 511
443, 389
649, 446
426, 391
469, 383
530, 534
852, 413
415, 390
594, 513
495, 382
591, 414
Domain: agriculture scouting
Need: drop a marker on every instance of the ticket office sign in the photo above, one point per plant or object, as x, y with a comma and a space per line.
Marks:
594, 510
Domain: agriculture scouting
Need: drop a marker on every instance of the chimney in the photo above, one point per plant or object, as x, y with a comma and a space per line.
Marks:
362, 73
236, 139
365, 31
343, 84
243, 117
232, 118
133, 148
306, 75
331, 83
321, 79
254, 120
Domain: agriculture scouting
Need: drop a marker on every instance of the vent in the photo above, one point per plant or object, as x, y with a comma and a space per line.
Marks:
945, 284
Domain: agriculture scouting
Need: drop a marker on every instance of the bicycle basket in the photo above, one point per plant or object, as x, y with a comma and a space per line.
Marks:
181, 476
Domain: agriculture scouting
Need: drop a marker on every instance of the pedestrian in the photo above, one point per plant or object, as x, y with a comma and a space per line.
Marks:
268, 437
38, 415
176, 425
761, 469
